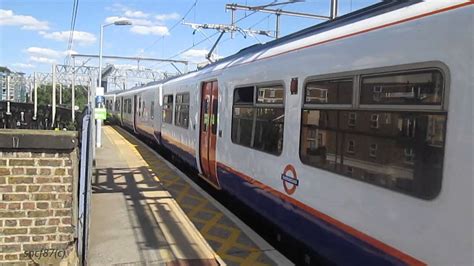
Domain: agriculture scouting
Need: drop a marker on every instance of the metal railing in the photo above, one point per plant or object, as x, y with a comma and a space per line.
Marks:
85, 190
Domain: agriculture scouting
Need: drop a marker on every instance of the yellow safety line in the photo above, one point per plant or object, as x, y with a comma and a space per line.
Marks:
167, 177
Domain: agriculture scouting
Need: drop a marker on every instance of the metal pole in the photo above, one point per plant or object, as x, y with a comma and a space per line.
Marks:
60, 93
277, 26
53, 116
89, 95
73, 91
334, 7
100, 54
99, 122
232, 22
35, 87
8, 95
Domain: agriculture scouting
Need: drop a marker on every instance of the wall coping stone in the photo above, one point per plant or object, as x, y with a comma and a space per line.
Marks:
19, 139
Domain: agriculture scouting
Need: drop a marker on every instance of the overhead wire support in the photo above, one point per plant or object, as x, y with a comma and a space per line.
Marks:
275, 11
223, 28
207, 38
279, 12
208, 56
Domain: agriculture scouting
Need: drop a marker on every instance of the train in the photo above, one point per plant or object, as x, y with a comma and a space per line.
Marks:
354, 136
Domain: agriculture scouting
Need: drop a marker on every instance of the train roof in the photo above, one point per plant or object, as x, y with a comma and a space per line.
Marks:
356, 16
140, 87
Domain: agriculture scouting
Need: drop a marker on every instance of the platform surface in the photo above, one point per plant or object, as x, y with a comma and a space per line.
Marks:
145, 212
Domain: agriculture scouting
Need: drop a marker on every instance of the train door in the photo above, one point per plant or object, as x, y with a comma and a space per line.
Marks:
135, 113
208, 132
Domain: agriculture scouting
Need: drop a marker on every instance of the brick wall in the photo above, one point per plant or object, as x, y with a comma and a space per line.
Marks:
36, 204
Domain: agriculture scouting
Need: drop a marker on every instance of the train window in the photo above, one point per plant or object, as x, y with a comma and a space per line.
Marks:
268, 132
259, 124
244, 95
214, 116
337, 91
242, 124
152, 110
398, 149
423, 87
388, 157
139, 108
351, 122
126, 107
270, 94
167, 114
181, 113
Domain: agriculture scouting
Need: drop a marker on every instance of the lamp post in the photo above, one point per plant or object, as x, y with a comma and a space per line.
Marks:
101, 93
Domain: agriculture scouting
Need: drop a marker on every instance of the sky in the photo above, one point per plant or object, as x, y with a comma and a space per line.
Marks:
34, 33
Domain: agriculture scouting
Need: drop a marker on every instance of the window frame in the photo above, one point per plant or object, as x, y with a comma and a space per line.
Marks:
376, 120
172, 109
329, 77
373, 147
175, 109
357, 75
255, 105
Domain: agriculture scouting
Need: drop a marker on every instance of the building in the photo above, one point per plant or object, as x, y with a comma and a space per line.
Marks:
17, 86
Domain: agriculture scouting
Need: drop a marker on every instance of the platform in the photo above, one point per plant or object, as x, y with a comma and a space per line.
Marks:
146, 212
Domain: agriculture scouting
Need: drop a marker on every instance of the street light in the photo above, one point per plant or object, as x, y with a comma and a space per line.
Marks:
116, 23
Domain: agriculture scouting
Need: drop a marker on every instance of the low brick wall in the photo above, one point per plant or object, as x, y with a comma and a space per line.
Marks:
38, 173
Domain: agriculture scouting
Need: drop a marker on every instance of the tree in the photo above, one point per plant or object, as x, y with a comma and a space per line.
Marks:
45, 95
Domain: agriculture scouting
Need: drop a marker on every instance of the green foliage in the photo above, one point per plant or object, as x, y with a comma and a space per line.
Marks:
45, 95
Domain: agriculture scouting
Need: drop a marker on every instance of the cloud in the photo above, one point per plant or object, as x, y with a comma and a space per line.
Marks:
135, 14
8, 18
46, 55
151, 30
171, 16
129, 12
80, 37
140, 23
23, 65
193, 53
43, 60
198, 55
43, 52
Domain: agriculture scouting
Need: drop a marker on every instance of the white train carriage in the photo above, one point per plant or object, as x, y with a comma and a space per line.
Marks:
180, 118
128, 109
112, 105
354, 136
147, 115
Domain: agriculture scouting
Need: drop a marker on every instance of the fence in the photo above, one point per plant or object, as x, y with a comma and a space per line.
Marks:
21, 116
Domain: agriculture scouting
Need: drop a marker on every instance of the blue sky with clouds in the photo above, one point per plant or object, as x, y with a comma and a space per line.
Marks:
34, 33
